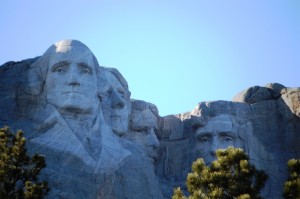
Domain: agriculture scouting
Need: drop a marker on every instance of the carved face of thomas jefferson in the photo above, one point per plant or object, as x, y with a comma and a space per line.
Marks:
71, 81
116, 102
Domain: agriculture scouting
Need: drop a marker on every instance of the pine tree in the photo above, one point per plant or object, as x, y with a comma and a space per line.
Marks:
18, 171
292, 185
230, 176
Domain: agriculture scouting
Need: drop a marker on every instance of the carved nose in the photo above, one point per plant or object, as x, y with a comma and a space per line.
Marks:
214, 146
213, 151
117, 101
152, 139
73, 77
73, 81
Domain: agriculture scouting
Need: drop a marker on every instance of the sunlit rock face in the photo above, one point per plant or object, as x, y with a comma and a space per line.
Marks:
138, 176
99, 143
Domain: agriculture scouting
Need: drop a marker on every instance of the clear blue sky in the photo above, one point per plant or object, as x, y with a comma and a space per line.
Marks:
172, 53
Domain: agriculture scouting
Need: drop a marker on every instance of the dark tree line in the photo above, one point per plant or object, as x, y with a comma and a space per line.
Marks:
18, 171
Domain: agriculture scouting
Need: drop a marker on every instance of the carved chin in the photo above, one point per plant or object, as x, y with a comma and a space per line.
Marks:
119, 124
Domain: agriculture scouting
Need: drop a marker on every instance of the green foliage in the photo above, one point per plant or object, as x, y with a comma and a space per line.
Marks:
292, 185
19, 172
230, 176
178, 194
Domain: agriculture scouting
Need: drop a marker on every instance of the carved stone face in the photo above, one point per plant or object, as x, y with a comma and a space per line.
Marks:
219, 133
71, 81
144, 125
115, 105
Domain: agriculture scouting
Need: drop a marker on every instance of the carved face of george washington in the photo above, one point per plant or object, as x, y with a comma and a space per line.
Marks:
71, 81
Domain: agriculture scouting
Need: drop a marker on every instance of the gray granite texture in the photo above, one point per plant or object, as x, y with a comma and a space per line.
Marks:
100, 143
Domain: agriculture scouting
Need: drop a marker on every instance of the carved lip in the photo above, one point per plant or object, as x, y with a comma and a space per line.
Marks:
70, 92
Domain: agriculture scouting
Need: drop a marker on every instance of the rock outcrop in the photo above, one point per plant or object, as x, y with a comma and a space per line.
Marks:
266, 123
99, 143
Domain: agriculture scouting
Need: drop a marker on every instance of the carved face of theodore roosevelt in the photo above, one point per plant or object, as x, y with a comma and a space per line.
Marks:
144, 124
71, 81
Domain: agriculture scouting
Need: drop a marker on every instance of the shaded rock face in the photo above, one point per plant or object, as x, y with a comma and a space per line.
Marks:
266, 127
99, 143
116, 103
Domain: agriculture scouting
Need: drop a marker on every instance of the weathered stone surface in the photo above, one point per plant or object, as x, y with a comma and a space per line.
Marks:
267, 127
277, 88
13, 77
99, 143
255, 94
291, 99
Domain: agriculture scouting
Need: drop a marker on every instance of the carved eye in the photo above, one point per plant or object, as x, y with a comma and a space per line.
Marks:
228, 139
86, 71
203, 139
59, 70
142, 131
108, 93
60, 67
122, 93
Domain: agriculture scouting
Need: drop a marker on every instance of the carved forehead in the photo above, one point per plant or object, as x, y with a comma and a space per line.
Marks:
70, 50
221, 123
66, 45
144, 114
220, 119
118, 76
112, 80
143, 119
142, 106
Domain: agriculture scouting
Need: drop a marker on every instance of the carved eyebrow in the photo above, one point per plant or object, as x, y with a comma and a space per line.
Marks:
59, 64
121, 90
228, 133
84, 65
200, 134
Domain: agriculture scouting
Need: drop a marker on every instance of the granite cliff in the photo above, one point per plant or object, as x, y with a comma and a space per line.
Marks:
100, 143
